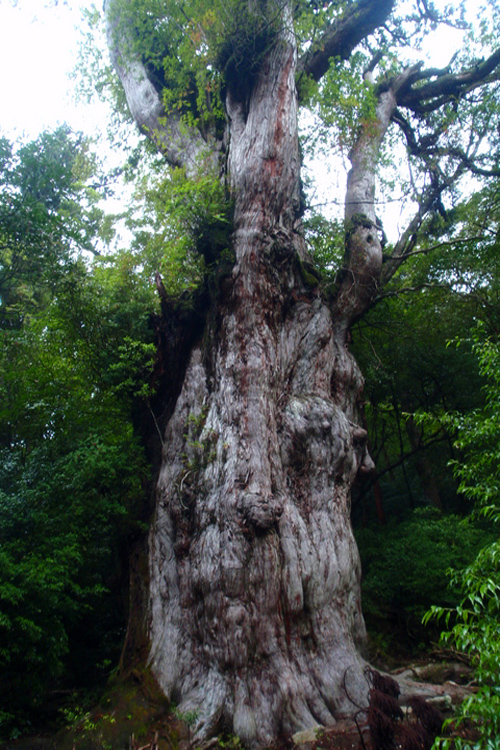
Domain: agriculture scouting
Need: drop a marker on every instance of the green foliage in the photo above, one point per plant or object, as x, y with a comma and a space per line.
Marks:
326, 243
76, 351
72, 485
60, 512
479, 439
181, 228
405, 565
47, 211
472, 625
186, 48
346, 101
402, 346
408, 366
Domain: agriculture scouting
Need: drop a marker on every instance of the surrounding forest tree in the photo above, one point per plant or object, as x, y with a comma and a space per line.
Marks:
472, 626
250, 612
74, 350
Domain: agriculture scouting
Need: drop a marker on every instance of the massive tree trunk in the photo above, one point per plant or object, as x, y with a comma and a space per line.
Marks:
254, 618
255, 604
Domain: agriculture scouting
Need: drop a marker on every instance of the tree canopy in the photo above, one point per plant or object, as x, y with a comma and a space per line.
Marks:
75, 346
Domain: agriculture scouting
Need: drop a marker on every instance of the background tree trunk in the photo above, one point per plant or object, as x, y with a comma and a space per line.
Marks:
422, 464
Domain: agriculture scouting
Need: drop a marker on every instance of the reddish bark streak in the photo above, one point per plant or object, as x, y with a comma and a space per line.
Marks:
283, 94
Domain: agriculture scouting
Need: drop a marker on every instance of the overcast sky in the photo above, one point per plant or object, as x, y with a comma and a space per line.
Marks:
38, 50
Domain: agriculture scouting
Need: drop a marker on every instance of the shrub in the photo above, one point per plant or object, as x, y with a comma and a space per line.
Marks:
405, 567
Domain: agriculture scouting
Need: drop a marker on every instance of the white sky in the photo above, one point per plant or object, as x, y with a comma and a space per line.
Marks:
38, 50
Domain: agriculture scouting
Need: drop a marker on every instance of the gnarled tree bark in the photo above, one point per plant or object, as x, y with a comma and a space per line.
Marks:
254, 618
255, 607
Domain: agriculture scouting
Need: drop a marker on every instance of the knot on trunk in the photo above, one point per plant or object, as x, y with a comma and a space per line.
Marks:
364, 462
358, 281
259, 511
318, 436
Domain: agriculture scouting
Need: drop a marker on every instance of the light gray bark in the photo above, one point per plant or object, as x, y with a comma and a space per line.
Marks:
363, 257
182, 146
256, 611
255, 617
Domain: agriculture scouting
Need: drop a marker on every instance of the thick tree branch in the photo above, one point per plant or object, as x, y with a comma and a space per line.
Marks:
406, 243
364, 155
427, 149
344, 34
466, 160
414, 147
181, 145
363, 251
422, 98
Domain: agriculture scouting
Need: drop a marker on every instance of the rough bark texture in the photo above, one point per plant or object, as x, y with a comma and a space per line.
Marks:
254, 601
254, 570
253, 616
